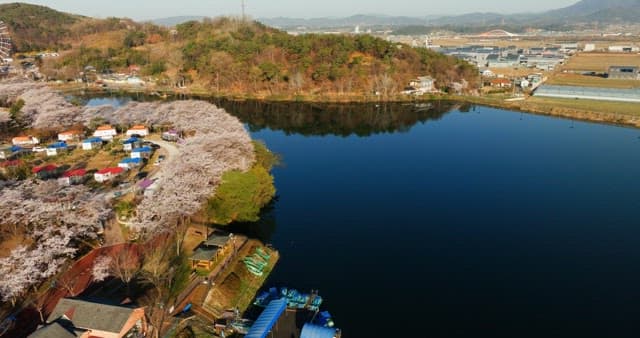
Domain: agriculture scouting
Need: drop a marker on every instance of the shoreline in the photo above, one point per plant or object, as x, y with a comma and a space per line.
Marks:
524, 105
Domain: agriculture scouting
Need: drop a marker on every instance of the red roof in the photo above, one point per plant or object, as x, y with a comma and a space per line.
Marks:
113, 171
13, 163
50, 167
75, 173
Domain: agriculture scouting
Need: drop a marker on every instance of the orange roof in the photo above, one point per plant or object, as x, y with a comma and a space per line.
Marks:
22, 138
105, 127
138, 127
70, 132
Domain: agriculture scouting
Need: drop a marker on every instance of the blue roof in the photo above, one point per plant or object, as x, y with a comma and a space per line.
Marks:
15, 148
93, 140
132, 160
143, 150
57, 145
131, 140
267, 319
315, 331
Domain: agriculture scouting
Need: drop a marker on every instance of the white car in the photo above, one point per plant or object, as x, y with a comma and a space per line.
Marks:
39, 149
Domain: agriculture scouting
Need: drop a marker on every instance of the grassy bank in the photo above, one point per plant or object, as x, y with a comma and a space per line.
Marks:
588, 110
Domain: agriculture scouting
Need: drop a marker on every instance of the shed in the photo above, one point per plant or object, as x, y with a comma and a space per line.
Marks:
144, 152
91, 143
57, 148
315, 331
130, 163
268, 318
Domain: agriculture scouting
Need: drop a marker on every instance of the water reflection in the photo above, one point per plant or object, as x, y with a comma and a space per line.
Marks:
316, 119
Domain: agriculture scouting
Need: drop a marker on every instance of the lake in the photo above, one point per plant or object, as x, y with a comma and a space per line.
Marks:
447, 220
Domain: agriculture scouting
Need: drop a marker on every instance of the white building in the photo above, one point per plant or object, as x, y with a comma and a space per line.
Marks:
92, 143
107, 174
25, 141
105, 132
138, 130
71, 135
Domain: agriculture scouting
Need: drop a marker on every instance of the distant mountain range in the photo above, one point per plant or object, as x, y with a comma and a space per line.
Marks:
583, 12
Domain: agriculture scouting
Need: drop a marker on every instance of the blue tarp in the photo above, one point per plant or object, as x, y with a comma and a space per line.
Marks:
267, 319
315, 331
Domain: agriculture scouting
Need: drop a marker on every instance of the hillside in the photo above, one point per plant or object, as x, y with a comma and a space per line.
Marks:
36, 27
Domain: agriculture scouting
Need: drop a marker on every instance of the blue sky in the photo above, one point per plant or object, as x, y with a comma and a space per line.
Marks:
149, 9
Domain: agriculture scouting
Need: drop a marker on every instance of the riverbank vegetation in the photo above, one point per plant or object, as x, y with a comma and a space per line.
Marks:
242, 195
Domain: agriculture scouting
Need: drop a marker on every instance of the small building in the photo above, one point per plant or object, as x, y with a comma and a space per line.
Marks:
106, 132
143, 152
107, 174
624, 73
207, 253
171, 135
138, 130
73, 177
131, 143
624, 49
13, 151
46, 172
130, 163
423, 84
501, 83
92, 143
84, 319
69, 136
25, 141
57, 148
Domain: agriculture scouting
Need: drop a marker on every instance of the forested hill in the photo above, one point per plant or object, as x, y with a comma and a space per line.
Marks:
227, 56
35, 27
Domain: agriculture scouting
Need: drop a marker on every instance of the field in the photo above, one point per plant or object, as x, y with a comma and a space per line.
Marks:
549, 104
600, 62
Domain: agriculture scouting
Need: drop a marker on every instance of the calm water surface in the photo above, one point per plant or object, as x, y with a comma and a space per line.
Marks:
433, 222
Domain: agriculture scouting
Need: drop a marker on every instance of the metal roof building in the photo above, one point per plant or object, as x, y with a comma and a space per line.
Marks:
267, 319
315, 331
589, 93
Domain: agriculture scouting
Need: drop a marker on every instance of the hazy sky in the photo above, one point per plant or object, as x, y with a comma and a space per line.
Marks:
149, 9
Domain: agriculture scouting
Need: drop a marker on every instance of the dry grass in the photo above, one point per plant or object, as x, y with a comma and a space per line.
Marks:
600, 62
611, 107
105, 40
590, 81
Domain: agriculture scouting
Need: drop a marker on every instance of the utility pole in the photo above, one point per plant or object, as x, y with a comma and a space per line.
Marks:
244, 18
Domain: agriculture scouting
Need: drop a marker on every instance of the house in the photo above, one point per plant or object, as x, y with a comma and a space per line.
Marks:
105, 132
139, 130
92, 143
131, 143
85, 319
208, 252
13, 151
501, 83
73, 177
25, 141
171, 135
71, 135
130, 163
57, 148
143, 152
107, 174
624, 73
46, 172
423, 84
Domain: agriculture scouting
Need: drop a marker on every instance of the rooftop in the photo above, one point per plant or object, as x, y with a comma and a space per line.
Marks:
105, 127
92, 315
204, 254
114, 171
